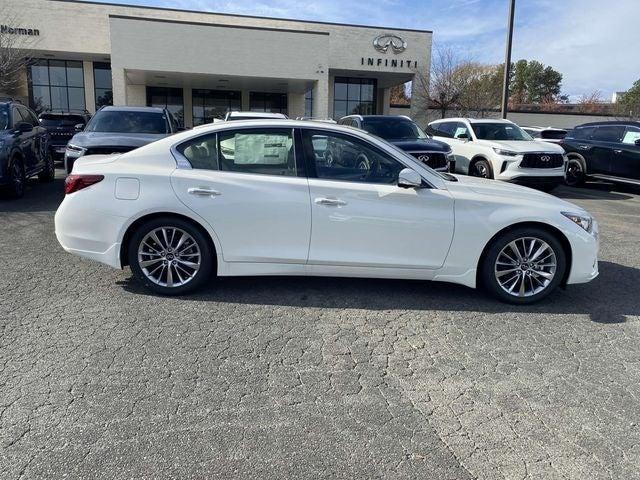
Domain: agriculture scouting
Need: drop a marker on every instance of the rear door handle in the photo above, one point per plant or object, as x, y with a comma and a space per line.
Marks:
204, 192
617, 151
335, 202
583, 147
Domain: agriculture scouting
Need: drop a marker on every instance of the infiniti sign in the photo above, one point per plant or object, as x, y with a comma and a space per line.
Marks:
545, 158
384, 41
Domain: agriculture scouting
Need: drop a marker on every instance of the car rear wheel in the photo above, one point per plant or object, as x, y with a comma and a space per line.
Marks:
575, 175
481, 169
170, 256
523, 266
48, 174
17, 180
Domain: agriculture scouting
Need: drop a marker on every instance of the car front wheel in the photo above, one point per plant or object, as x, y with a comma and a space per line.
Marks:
575, 173
17, 180
523, 266
170, 256
481, 169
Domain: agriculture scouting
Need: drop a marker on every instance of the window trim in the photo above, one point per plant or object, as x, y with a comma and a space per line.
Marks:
311, 165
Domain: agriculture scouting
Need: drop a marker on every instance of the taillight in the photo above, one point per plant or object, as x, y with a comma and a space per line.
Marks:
73, 182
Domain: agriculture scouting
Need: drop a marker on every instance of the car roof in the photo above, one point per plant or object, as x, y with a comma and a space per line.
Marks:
473, 120
258, 115
555, 129
626, 123
112, 108
366, 117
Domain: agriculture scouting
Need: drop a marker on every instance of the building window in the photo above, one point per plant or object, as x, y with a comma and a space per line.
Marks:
268, 102
169, 98
308, 103
102, 82
56, 85
210, 104
352, 96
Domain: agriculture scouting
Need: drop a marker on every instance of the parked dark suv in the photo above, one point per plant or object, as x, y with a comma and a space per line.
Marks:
604, 150
120, 130
405, 134
24, 151
61, 126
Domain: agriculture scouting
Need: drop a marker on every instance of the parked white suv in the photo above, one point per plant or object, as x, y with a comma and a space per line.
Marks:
501, 150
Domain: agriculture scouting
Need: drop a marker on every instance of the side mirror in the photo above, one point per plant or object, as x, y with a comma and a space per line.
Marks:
464, 137
24, 127
637, 142
408, 178
79, 127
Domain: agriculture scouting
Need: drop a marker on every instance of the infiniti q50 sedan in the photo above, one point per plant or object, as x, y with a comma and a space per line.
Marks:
259, 198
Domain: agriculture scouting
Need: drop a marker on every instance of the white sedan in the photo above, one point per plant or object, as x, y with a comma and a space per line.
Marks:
260, 198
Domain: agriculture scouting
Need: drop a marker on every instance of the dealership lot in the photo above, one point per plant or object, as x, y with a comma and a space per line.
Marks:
308, 378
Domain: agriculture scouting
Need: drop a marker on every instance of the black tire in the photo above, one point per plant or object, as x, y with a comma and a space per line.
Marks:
488, 272
482, 169
17, 180
576, 172
207, 256
48, 174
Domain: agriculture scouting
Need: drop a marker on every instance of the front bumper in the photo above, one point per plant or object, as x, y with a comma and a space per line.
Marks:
584, 255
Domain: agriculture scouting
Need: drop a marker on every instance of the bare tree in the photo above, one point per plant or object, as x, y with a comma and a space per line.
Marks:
590, 103
480, 88
14, 57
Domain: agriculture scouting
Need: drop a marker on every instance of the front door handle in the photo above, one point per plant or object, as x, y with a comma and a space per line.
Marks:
335, 202
583, 147
204, 192
617, 151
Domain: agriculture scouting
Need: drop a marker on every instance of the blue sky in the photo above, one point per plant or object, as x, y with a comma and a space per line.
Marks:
593, 43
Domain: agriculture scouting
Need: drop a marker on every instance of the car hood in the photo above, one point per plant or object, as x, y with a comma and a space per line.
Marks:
420, 144
523, 146
99, 139
510, 193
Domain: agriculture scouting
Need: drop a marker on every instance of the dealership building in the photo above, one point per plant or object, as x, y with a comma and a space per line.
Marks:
201, 64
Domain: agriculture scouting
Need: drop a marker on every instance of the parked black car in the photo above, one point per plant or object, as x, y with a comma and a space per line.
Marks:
120, 130
61, 126
404, 133
604, 150
24, 150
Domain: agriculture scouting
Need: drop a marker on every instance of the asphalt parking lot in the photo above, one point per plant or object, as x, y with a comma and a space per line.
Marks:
314, 378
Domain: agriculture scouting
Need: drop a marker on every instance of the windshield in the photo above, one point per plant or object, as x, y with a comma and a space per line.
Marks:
4, 117
128, 122
393, 129
499, 131
61, 120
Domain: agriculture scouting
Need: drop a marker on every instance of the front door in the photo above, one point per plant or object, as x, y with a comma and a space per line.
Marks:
604, 141
362, 218
248, 185
626, 155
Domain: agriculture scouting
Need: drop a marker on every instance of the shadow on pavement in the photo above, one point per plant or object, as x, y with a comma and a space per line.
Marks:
38, 197
596, 191
607, 299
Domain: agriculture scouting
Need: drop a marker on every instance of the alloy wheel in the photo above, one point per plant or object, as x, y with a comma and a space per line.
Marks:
169, 256
574, 172
481, 170
525, 267
17, 178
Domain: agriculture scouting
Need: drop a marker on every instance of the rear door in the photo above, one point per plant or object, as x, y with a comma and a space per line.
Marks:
626, 155
250, 185
604, 141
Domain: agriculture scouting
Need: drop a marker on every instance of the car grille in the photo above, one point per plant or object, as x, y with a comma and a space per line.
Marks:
542, 160
108, 150
432, 159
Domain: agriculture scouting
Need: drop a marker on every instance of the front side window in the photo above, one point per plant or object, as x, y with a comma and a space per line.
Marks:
393, 129
344, 158
499, 131
258, 151
584, 133
460, 130
444, 129
354, 96
56, 85
609, 133
631, 136
28, 116
128, 122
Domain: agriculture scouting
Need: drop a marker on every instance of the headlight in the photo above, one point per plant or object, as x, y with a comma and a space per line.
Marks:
450, 156
505, 153
583, 221
75, 150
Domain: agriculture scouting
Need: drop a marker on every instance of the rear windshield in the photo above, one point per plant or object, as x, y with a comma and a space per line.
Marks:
553, 134
48, 120
393, 129
128, 122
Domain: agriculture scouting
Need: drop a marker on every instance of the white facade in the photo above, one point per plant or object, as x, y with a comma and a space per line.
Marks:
264, 62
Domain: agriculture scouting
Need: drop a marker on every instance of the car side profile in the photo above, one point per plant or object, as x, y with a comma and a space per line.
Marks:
501, 150
118, 130
259, 198
405, 134
607, 151
24, 149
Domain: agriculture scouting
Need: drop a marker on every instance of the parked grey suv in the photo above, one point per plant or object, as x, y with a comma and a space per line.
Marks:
120, 130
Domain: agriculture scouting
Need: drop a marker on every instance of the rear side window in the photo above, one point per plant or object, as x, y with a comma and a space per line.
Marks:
609, 133
258, 151
582, 133
631, 135
201, 152
444, 129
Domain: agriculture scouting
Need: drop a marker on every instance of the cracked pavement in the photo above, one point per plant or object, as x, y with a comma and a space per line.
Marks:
313, 378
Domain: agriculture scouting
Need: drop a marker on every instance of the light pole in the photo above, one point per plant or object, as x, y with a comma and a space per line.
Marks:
507, 60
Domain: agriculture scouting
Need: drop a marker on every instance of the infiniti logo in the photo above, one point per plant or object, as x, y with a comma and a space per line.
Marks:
424, 158
384, 41
545, 158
